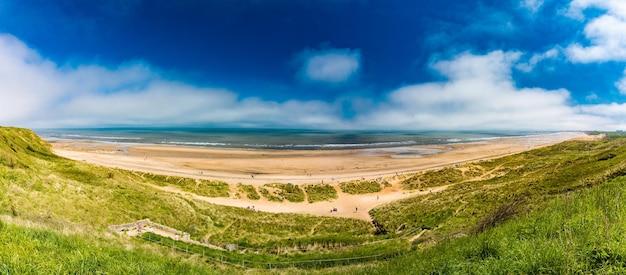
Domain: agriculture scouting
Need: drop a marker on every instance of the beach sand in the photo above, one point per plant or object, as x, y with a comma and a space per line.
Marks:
258, 167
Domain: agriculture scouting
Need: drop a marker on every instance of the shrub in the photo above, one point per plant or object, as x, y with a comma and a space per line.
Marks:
360, 187
320, 192
290, 192
249, 191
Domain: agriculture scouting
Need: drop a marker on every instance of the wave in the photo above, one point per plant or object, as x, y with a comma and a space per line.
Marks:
190, 143
333, 145
282, 139
73, 136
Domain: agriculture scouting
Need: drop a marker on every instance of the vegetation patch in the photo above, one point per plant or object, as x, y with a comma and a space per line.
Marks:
580, 232
507, 187
249, 191
320, 192
299, 258
270, 196
44, 251
272, 232
284, 191
548, 210
440, 177
55, 190
362, 186
207, 188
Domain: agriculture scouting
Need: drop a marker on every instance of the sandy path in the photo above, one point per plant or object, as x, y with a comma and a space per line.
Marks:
258, 167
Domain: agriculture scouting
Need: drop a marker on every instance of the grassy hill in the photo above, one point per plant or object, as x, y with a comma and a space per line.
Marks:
579, 232
553, 210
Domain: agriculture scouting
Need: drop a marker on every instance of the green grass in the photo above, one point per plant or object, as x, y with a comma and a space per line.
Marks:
544, 211
580, 232
294, 258
527, 179
207, 188
320, 192
361, 187
249, 191
283, 191
270, 196
44, 251
57, 190
445, 176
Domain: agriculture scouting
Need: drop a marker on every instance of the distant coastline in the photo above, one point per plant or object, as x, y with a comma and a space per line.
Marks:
277, 139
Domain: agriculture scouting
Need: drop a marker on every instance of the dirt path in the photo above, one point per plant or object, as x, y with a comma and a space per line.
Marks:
346, 204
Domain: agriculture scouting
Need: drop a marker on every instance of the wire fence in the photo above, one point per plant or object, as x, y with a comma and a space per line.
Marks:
247, 261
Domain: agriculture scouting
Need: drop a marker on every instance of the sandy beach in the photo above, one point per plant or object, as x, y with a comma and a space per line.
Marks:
258, 167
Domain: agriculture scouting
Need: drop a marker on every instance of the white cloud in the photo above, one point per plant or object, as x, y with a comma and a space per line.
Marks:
481, 95
329, 66
27, 81
532, 5
616, 7
591, 97
35, 92
605, 33
614, 112
621, 84
536, 58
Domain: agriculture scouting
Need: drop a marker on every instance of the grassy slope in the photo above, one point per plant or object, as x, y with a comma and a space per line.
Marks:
580, 232
508, 186
37, 186
46, 251
45, 187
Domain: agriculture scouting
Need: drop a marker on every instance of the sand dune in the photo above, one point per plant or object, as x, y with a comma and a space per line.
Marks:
259, 167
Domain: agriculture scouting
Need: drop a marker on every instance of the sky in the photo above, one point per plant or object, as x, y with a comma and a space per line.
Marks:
327, 64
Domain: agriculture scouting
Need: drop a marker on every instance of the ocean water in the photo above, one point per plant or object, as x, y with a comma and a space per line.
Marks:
277, 139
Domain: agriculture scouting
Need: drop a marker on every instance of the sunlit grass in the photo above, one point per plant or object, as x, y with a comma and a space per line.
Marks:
580, 232
320, 192
543, 211
249, 191
362, 186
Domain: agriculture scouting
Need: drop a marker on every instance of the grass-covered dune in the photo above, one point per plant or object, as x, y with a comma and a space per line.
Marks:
578, 232
552, 210
75, 200
483, 194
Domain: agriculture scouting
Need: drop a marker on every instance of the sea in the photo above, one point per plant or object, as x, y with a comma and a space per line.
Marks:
276, 139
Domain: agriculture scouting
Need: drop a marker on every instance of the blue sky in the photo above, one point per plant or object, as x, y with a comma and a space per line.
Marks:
332, 64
